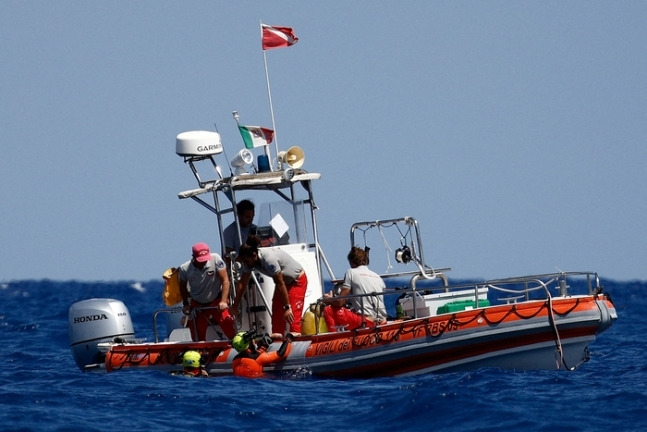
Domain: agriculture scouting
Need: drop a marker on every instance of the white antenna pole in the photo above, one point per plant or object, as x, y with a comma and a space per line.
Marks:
269, 96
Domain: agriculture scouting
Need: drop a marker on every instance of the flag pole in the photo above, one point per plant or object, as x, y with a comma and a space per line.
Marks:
269, 97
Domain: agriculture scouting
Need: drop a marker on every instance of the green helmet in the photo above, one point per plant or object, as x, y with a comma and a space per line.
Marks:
191, 359
240, 342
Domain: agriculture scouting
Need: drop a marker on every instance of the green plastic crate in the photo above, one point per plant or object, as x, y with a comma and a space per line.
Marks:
461, 305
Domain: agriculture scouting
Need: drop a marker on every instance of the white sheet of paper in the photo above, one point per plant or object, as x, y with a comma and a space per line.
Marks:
279, 225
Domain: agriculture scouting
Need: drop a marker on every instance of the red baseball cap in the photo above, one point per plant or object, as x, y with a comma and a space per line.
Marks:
201, 252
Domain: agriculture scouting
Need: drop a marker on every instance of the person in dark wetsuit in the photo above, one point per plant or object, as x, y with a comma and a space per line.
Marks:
250, 359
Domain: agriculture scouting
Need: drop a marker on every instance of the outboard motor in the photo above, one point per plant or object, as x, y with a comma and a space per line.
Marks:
94, 321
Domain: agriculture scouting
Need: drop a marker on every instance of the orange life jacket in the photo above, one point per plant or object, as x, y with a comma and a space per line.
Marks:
250, 366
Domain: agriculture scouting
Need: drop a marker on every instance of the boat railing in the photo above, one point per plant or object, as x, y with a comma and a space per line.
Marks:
325, 262
418, 275
563, 283
524, 287
498, 291
407, 233
176, 309
437, 274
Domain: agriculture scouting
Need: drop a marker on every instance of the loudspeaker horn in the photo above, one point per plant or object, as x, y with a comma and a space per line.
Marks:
293, 158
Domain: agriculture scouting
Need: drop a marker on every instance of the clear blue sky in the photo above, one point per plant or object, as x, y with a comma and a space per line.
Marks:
515, 132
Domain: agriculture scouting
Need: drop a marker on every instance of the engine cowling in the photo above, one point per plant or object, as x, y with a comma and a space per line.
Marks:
95, 321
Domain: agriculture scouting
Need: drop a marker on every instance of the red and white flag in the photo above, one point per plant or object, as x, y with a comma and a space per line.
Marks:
277, 37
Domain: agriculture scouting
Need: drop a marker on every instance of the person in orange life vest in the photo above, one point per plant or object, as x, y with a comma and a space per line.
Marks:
359, 279
204, 279
250, 360
290, 282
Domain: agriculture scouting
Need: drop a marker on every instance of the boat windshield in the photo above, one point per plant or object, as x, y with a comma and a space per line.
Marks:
283, 223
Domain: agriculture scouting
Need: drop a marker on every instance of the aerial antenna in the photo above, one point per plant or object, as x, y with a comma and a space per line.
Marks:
231, 173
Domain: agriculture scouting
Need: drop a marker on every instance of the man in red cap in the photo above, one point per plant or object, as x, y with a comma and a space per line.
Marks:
204, 287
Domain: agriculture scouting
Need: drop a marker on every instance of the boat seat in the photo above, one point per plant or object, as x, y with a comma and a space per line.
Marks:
182, 334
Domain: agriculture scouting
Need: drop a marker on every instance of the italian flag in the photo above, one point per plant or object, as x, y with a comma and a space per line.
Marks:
256, 136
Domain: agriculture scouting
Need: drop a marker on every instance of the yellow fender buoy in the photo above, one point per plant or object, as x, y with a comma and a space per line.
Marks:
308, 323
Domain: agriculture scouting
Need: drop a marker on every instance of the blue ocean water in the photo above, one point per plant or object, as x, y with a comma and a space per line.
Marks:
42, 389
